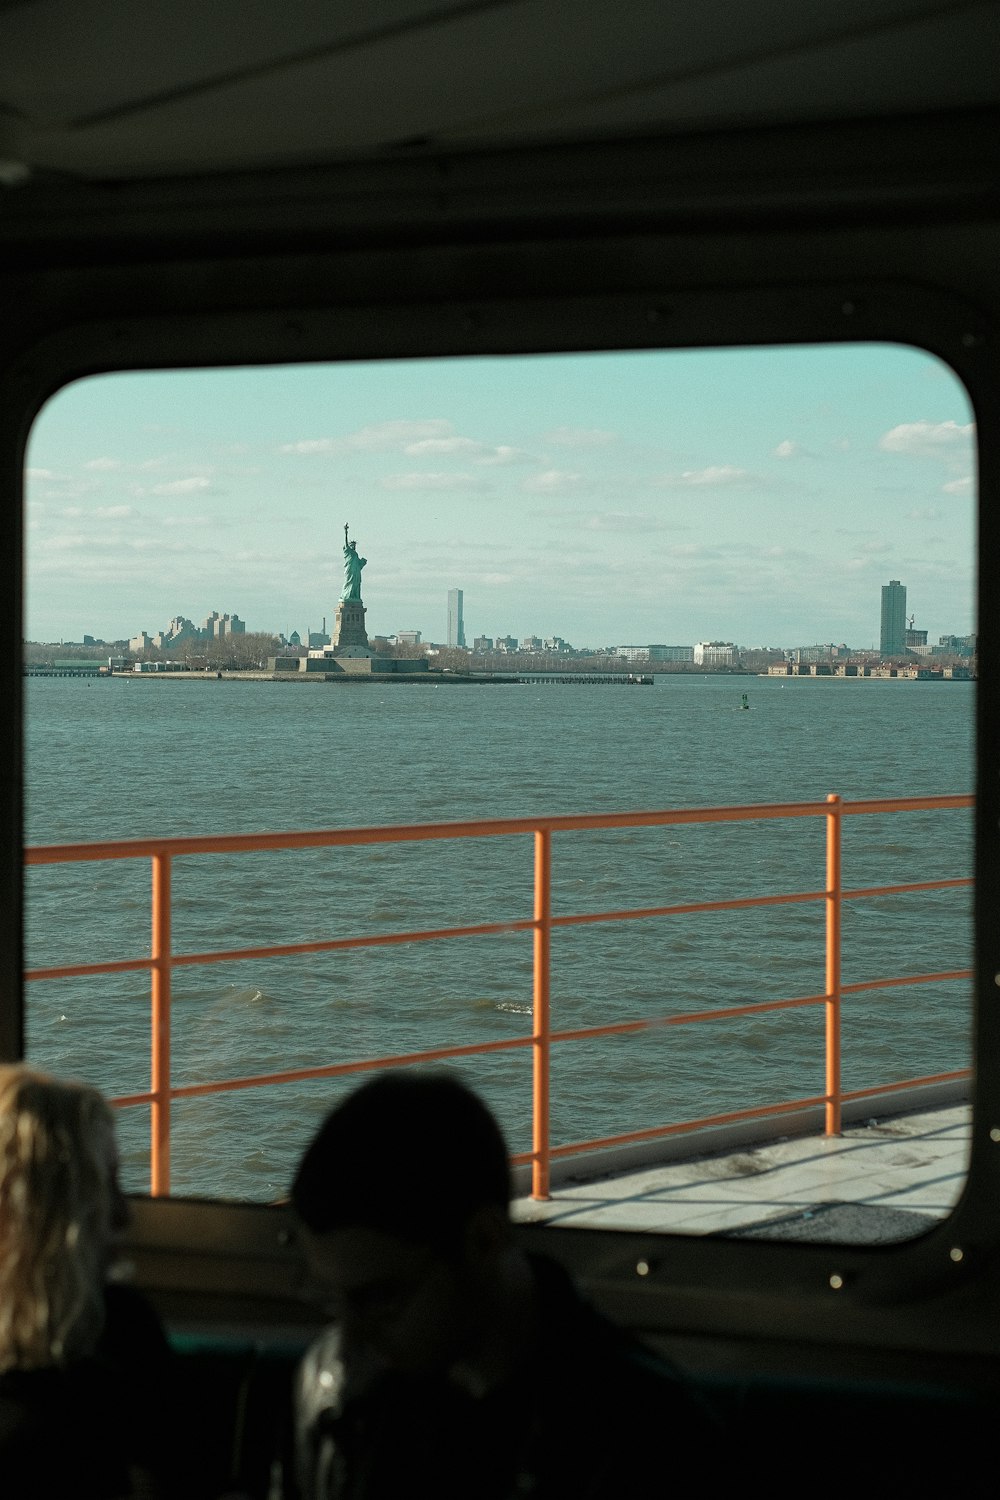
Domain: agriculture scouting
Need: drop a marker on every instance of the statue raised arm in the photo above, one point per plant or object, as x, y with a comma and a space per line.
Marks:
352, 570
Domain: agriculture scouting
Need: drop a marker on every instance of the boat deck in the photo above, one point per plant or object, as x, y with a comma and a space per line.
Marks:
878, 1182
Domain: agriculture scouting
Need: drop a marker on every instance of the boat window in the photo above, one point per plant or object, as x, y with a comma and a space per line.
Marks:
716, 588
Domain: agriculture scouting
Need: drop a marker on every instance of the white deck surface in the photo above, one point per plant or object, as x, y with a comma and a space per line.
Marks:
877, 1182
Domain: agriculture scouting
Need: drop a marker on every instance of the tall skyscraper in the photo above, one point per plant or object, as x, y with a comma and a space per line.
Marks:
456, 622
892, 640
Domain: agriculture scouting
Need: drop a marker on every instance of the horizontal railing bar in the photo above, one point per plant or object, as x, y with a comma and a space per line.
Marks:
888, 984
372, 940
123, 1101
901, 890
242, 843
725, 1013
481, 929
415, 935
907, 804
687, 908
657, 1132
328, 1070
75, 971
908, 1083
616, 1028
733, 1117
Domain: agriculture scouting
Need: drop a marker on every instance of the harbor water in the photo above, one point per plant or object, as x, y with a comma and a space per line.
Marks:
122, 759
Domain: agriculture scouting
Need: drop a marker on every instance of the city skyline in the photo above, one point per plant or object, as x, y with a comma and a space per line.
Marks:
758, 495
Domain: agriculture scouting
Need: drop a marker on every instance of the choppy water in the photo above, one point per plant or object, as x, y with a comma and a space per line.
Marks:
122, 759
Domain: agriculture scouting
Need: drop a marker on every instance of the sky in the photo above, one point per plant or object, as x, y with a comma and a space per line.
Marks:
761, 496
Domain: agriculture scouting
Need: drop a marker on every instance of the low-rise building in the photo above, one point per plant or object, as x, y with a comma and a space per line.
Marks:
714, 654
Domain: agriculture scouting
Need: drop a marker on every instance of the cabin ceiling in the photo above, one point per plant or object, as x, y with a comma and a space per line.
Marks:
111, 90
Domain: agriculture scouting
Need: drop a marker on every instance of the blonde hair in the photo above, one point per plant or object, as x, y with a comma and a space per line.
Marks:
55, 1210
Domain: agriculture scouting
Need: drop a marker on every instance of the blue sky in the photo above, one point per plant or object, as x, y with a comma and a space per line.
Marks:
761, 496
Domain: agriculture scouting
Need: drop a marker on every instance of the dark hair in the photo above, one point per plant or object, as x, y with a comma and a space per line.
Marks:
412, 1154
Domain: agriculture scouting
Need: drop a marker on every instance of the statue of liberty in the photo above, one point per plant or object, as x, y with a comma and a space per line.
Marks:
352, 570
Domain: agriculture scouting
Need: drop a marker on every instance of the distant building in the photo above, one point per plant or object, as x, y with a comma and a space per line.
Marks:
216, 626
714, 654
483, 643
506, 643
892, 636
656, 653
407, 637
531, 643
456, 620
957, 645
671, 653
181, 631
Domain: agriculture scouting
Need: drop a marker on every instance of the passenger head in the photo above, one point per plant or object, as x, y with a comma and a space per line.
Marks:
61, 1210
404, 1194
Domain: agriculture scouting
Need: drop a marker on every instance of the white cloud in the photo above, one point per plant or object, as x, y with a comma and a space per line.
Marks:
433, 481
113, 512
186, 521
65, 542
626, 523
309, 445
924, 513
193, 486
469, 448
579, 437
445, 445
695, 550
48, 474
104, 464
958, 486
927, 439
714, 477
789, 448
507, 455
552, 481
381, 437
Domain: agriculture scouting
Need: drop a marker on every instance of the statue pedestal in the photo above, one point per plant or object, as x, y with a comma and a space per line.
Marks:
350, 638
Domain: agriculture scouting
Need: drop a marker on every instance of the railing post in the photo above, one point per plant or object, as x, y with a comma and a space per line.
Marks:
540, 1142
159, 1162
834, 888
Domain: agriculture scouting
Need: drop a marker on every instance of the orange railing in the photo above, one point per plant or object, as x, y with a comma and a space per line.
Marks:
162, 961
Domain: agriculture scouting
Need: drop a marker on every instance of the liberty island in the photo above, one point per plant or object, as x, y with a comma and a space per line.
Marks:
350, 657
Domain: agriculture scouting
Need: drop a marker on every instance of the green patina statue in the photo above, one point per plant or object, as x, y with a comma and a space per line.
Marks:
352, 570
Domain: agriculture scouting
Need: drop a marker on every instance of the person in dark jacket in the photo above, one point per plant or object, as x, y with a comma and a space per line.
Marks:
457, 1363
